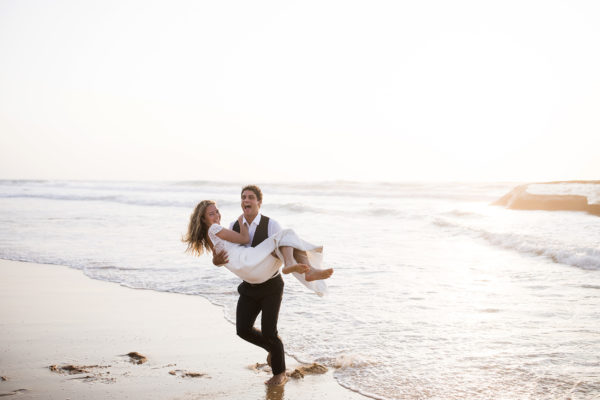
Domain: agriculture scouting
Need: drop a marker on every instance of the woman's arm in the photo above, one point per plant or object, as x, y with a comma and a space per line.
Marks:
231, 236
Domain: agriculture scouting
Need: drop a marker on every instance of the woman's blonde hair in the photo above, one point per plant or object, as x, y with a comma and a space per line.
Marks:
197, 233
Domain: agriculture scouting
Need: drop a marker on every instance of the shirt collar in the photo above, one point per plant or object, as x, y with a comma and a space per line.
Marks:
255, 221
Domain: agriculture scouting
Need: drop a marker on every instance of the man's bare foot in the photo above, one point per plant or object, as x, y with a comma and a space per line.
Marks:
299, 268
269, 359
316, 274
277, 380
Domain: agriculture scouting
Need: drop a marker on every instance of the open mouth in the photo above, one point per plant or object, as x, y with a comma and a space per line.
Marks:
247, 207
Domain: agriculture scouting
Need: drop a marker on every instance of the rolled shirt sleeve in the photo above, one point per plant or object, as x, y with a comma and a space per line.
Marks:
274, 227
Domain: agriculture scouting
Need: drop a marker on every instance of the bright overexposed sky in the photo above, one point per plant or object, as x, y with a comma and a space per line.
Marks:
303, 90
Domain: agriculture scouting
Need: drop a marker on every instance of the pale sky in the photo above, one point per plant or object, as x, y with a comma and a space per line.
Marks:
306, 90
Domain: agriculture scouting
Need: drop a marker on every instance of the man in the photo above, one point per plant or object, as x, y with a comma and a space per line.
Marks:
266, 296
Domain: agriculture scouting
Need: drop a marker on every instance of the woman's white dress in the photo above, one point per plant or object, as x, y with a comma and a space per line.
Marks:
257, 265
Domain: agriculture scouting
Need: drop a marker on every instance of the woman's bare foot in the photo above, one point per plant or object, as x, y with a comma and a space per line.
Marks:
277, 380
299, 268
316, 274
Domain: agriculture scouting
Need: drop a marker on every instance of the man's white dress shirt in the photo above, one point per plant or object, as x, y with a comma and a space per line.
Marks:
272, 229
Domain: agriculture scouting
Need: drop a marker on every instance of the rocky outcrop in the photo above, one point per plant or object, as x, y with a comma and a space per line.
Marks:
520, 199
136, 358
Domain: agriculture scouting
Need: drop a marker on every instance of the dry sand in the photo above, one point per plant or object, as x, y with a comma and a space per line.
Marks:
56, 316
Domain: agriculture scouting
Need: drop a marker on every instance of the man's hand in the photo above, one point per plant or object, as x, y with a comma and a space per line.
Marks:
220, 258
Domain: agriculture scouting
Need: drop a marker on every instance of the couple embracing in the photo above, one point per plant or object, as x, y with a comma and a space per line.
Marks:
252, 248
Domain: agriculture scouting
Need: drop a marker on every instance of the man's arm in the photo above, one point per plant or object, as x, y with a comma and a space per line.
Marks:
220, 258
274, 227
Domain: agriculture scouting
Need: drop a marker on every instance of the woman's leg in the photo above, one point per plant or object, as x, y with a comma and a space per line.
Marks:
312, 274
290, 264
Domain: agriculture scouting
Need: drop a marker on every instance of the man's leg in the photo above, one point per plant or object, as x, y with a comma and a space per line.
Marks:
270, 314
245, 315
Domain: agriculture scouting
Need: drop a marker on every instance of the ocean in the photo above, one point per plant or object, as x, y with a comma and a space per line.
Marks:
436, 293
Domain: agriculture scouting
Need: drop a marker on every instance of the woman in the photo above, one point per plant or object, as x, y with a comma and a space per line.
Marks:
255, 264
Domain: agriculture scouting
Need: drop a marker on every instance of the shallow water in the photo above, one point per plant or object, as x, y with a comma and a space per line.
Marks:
436, 294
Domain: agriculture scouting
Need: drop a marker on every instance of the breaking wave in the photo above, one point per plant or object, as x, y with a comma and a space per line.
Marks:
581, 257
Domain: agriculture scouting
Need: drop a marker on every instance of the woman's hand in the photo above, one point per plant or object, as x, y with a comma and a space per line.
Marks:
244, 229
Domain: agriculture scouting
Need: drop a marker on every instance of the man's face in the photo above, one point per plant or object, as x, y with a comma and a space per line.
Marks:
250, 204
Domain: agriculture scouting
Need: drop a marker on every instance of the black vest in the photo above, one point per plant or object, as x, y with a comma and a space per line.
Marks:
262, 230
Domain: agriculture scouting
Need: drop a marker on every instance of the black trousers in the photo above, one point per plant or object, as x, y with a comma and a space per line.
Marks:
265, 297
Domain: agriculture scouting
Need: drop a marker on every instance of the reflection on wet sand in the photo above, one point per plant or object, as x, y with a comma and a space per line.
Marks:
275, 392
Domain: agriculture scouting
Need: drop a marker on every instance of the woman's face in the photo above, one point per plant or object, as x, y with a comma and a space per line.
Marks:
212, 215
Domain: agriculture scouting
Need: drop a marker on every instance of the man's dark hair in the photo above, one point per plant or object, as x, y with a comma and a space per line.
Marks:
255, 189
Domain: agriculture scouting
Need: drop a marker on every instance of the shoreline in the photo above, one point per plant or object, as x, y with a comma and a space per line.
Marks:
56, 315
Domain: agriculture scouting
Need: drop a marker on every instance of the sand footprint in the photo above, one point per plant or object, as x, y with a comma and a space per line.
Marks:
186, 374
18, 391
90, 370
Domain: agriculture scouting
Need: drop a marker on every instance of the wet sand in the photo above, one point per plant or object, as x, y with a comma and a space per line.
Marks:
66, 336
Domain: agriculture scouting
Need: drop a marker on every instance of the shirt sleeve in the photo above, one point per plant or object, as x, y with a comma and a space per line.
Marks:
274, 227
231, 225
214, 229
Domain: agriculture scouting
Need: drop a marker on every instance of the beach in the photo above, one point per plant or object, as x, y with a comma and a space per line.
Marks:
56, 316
437, 293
